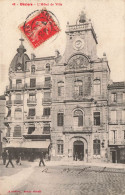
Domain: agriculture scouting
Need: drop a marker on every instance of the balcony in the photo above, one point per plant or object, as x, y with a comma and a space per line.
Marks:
46, 131
77, 129
14, 87
46, 101
113, 122
117, 122
31, 101
116, 142
38, 118
18, 101
37, 86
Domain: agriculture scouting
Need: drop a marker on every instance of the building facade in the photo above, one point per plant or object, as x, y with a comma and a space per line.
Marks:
28, 102
63, 104
2, 115
80, 98
116, 119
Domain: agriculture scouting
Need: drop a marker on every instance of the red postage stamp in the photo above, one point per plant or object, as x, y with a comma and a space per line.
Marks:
39, 28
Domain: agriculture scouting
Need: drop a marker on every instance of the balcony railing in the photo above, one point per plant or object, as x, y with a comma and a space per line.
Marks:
29, 101
84, 129
117, 122
38, 118
46, 131
46, 100
116, 142
15, 87
18, 101
113, 122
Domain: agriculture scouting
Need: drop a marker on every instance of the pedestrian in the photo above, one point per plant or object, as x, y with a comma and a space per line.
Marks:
18, 161
76, 156
41, 159
4, 157
9, 159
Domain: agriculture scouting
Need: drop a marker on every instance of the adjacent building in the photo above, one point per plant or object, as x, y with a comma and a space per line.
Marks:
116, 119
66, 105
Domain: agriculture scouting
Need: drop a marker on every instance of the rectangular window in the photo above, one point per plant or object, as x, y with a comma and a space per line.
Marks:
47, 80
123, 97
46, 111
46, 129
114, 136
60, 119
113, 116
18, 96
32, 82
60, 90
32, 97
80, 121
96, 147
60, 147
123, 115
124, 134
18, 83
113, 97
97, 118
47, 95
32, 112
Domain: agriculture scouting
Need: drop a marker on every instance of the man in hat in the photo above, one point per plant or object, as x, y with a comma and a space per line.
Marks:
9, 159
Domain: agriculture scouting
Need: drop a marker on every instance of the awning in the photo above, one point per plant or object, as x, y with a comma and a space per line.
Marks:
36, 144
29, 144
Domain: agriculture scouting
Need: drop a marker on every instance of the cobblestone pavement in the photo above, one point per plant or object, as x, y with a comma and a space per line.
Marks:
73, 180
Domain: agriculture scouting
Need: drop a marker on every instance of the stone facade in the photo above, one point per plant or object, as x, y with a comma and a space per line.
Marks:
63, 103
117, 121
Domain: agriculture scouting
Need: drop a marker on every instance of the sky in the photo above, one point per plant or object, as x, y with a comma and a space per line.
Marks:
107, 16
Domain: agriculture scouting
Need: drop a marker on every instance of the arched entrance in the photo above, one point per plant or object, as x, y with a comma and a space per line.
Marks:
78, 150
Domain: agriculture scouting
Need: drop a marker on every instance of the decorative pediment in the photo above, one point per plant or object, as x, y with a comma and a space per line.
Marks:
78, 61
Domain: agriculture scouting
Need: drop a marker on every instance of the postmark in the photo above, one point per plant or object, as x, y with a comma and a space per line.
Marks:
39, 27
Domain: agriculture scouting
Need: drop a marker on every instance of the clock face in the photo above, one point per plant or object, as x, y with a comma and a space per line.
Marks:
19, 66
78, 44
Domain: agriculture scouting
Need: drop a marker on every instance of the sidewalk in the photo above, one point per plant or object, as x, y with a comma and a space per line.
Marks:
81, 163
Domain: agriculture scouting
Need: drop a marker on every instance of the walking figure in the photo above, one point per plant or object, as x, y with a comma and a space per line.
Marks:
18, 161
41, 159
10, 160
4, 157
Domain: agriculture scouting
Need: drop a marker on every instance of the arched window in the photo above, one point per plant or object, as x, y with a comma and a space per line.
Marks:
17, 131
96, 147
33, 69
97, 87
60, 88
78, 118
18, 113
60, 147
78, 87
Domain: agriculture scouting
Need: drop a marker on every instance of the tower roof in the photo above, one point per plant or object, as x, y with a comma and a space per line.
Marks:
19, 60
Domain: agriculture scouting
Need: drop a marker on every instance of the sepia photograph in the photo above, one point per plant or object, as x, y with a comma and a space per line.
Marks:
62, 97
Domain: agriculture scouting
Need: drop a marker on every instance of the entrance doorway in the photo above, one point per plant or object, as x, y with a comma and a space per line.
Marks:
78, 150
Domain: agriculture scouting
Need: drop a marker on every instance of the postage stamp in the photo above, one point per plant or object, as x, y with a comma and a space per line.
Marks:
39, 27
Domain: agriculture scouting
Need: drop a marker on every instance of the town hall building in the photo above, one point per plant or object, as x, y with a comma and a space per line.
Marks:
66, 105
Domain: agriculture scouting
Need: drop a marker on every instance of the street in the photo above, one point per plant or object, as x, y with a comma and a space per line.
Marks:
63, 180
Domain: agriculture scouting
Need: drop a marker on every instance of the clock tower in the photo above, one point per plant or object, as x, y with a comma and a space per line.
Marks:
81, 38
